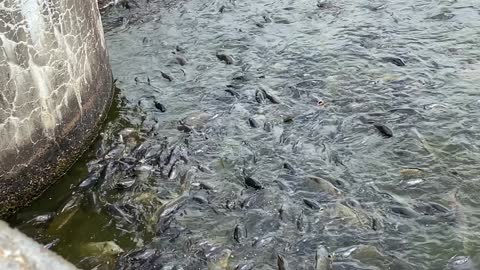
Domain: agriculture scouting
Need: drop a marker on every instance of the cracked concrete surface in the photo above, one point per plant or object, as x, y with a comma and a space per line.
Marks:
55, 88
17, 251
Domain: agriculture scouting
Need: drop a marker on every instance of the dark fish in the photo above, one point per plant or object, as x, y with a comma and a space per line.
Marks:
230, 204
160, 106
242, 78
180, 60
225, 57
262, 242
125, 5
136, 80
404, 211
260, 25
89, 182
148, 81
322, 4
375, 224
282, 264
172, 174
248, 266
375, 8
352, 203
142, 255
461, 263
267, 126
234, 86
442, 16
431, 208
260, 96
199, 199
203, 169
288, 119
166, 76
232, 92
267, 18
179, 49
205, 186
281, 213
221, 9
283, 186
394, 60
116, 211
289, 167
168, 212
300, 222
384, 130
145, 40
253, 123
311, 204
295, 92
52, 244
274, 99
125, 183
322, 259
239, 233
41, 219
250, 182
439, 207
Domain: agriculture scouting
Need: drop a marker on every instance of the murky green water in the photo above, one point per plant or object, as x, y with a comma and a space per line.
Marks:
275, 156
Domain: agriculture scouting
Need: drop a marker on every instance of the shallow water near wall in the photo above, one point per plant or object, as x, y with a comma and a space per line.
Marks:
248, 134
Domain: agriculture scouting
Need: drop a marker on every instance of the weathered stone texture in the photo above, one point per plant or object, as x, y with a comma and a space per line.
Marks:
18, 252
55, 89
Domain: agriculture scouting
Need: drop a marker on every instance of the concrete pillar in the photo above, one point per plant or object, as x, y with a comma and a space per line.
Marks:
55, 90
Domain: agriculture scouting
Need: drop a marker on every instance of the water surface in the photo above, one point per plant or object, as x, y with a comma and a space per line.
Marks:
167, 183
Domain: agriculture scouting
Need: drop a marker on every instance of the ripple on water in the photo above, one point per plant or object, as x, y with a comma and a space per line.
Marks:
167, 183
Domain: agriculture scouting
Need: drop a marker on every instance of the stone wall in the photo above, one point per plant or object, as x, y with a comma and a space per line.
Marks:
55, 90
18, 252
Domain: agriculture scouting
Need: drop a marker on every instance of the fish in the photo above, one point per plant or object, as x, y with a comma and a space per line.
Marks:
90, 181
200, 199
166, 76
239, 233
411, 172
267, 93
260, 96
160, 106
180, 60
404, 211
289, 167
253, 123
228, 59
300, 222
323, 260
394, 60
221, 9
42, 219
179, 49
232, 92
325, 185
282, 264
250, 182
103, 248
248, 266
311, 204
384, 130
268, 126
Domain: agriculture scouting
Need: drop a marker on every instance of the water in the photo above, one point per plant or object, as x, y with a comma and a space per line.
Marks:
169, 187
